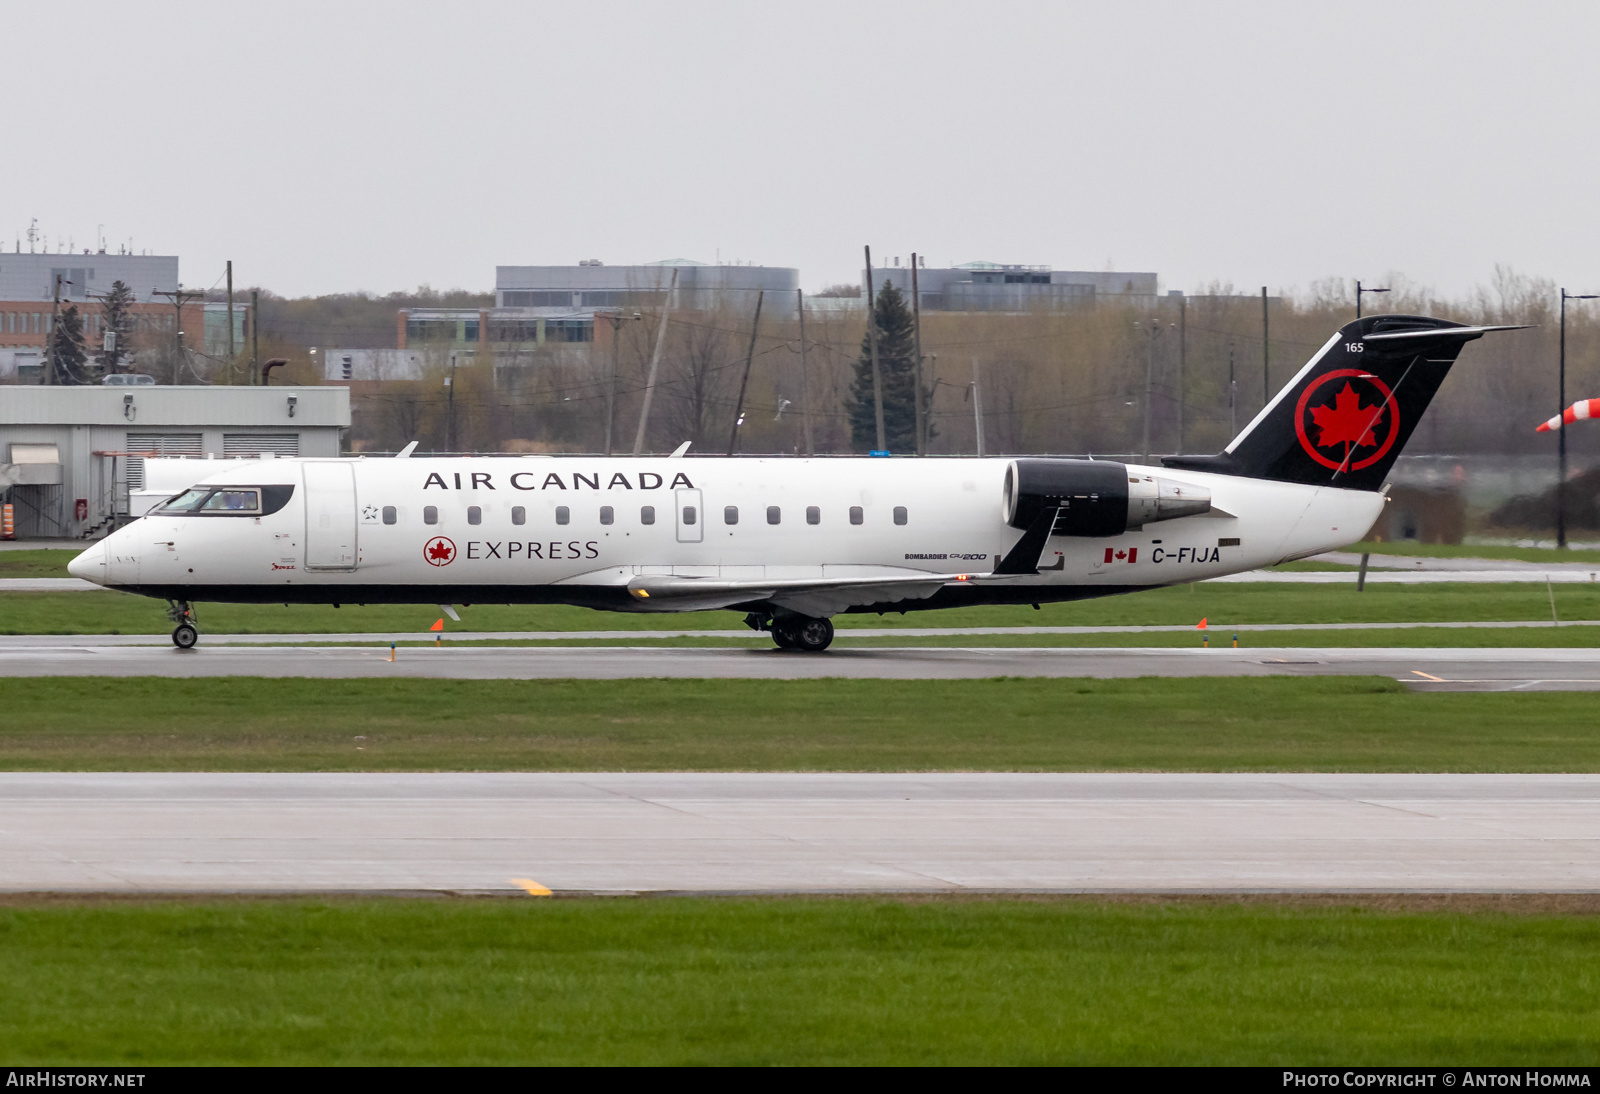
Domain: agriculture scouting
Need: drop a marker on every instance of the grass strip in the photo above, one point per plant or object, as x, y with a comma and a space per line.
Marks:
1184, 724
1237, 603
795, 981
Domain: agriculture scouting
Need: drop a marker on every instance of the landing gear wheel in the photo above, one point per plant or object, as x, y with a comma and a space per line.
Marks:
185, 636
814, 635
783, 633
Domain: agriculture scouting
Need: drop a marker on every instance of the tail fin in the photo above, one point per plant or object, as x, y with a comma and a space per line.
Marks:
1346, 415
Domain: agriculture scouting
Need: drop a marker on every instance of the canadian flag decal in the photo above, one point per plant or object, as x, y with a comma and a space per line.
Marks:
1114, 555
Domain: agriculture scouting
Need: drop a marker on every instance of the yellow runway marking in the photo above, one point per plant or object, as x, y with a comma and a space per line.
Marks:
1425, 676
533, 887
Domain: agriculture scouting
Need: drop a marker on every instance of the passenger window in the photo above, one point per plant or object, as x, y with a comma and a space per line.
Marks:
688, 514
519, 515
563, 515
856, 515
813, 515
607, 514
899, 514
730, 515
430, 514
390, 514
774, 514
474, 515
647, 514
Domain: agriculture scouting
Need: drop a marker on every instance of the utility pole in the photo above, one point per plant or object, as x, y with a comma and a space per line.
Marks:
916, 341
977, 406
1183, 361
450, 409
872, 345
655, 362
611, 387
1266, 351
230, 321
255, 340
1149, 383
50, 335
1233, 398
749, 355
805, 390
179, 298
616, 322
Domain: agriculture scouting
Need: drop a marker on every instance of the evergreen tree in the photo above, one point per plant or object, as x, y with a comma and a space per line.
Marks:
119, 320
897, 366
69, 356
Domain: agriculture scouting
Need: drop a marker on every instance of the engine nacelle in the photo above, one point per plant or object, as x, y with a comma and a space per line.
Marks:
1095, 497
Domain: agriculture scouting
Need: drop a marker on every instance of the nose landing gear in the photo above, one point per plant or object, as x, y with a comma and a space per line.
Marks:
794, 632
186, 633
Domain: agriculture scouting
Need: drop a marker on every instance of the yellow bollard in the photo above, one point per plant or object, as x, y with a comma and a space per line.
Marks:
1205, 641
391, 651
1235, 641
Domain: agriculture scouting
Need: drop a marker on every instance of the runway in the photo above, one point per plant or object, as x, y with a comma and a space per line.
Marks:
1489, 669
729, 833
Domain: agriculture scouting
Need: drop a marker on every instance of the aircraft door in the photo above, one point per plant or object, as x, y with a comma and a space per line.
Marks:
330, 516
691, 516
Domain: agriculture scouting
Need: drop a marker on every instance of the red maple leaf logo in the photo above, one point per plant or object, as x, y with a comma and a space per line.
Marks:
1122, 555
1346, 421
439, 551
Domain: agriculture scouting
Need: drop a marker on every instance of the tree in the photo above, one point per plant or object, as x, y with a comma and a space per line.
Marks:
896, 363
68, 355
118, 305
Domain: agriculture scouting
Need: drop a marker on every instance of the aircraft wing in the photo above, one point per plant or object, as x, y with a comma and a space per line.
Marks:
805, 596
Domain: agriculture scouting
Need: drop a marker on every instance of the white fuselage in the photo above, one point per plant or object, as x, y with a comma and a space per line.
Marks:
570, 529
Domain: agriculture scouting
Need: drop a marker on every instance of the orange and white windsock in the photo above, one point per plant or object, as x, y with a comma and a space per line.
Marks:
1577, 412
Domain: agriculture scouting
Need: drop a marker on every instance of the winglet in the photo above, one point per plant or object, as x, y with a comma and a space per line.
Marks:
677, 453
1024, 557
405, 453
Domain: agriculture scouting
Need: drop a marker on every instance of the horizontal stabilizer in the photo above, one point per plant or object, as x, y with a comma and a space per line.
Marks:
1464, 334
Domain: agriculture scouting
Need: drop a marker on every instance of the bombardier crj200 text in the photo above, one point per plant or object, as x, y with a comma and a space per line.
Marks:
790, 541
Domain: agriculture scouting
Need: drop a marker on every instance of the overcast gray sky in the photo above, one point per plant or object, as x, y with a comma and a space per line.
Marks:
338, 146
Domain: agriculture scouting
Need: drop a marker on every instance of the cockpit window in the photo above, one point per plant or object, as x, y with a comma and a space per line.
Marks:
233, 501
229, 501
186, 500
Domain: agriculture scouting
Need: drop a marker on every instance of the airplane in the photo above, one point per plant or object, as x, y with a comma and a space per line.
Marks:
792, 542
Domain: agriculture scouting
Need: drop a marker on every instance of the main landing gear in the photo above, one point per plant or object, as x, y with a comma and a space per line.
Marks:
186, 633
794, 632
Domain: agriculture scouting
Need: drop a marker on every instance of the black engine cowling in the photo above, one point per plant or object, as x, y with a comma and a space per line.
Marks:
1095, 497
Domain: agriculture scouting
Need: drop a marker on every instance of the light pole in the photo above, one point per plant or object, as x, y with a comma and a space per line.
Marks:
1561, 441
1359, 291
616, 322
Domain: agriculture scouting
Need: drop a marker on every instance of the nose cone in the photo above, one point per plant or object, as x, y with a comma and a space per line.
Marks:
91, 565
